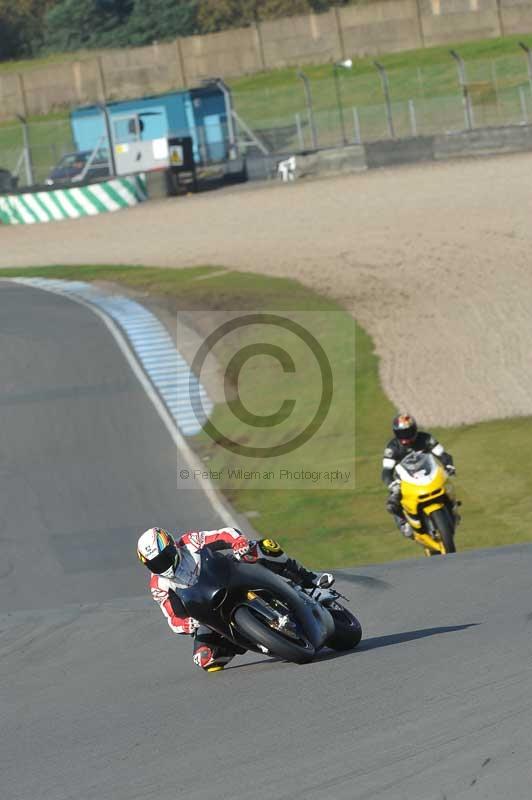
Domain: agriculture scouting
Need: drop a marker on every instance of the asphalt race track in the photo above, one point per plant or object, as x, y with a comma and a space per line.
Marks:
85, 461
100, 702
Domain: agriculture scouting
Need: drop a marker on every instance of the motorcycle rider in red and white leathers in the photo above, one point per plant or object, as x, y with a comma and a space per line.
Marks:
176, 565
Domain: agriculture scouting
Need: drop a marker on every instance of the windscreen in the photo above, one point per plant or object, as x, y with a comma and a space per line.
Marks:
418, 464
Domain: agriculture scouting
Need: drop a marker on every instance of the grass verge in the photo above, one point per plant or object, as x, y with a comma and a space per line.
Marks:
339, 528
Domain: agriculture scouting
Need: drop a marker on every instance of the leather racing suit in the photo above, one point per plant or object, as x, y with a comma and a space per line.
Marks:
211, 650
394, 452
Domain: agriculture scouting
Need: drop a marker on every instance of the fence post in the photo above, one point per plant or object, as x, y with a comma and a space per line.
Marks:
526, 49
340, 32
181, 72
260, 44
27, 152
524, 110
413, 121
465, 91
310, 109
101, 77
109, 133
502, 31
495, 80
386, 90
347, 64
356, 123
180, 65
22, 93
419, 16
300, 132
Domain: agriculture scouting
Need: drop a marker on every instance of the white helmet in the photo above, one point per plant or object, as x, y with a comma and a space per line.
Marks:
157, 550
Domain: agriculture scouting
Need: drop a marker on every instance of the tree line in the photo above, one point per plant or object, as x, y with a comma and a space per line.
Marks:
35, 27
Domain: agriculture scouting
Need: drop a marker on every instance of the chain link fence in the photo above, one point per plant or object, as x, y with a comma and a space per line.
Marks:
30, 152
347, 105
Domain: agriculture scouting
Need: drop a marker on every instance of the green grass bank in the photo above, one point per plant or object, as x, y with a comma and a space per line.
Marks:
339, 528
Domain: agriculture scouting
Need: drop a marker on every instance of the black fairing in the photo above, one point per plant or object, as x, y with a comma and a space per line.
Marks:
223, 585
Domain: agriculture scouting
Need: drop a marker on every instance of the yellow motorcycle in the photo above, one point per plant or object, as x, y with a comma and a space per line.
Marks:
428, 502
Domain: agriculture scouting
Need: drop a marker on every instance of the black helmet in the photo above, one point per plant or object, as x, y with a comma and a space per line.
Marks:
405, 428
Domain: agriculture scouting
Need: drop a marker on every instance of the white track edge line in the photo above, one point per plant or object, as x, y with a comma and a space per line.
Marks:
188, 454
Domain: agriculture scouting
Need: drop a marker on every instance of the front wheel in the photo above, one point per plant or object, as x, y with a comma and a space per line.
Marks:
257, 630
347, 630
444, 524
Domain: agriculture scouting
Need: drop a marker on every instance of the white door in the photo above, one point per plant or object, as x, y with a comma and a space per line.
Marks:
132, 153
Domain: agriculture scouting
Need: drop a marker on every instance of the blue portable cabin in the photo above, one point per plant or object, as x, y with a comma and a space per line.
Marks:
200, 113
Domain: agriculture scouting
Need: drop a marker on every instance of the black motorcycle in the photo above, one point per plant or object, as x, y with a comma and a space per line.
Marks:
258, 610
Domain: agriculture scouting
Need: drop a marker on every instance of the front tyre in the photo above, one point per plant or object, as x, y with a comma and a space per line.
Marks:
257, 630
347, 630
444, 524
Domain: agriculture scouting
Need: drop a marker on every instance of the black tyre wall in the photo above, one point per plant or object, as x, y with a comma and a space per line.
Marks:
347, 630
444, 523
277, 644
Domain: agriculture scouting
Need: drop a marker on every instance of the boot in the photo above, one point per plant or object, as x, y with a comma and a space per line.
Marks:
406, 530
308, 579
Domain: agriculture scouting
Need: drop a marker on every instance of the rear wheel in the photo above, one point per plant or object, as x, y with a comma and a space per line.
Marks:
257, 630
347, 630
445, 526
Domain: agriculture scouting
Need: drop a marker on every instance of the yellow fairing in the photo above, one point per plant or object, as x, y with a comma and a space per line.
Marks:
412, 494
413, 521
432, 507
429, 543
425, 490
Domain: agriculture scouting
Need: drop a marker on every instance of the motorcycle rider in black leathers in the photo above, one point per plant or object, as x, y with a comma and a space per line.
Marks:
407, 438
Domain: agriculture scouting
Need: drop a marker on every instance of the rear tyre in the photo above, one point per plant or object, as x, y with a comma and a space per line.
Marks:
445, 526
300, 652
347, 630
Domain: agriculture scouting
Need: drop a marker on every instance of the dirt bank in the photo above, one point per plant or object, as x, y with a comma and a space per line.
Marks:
434, 261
